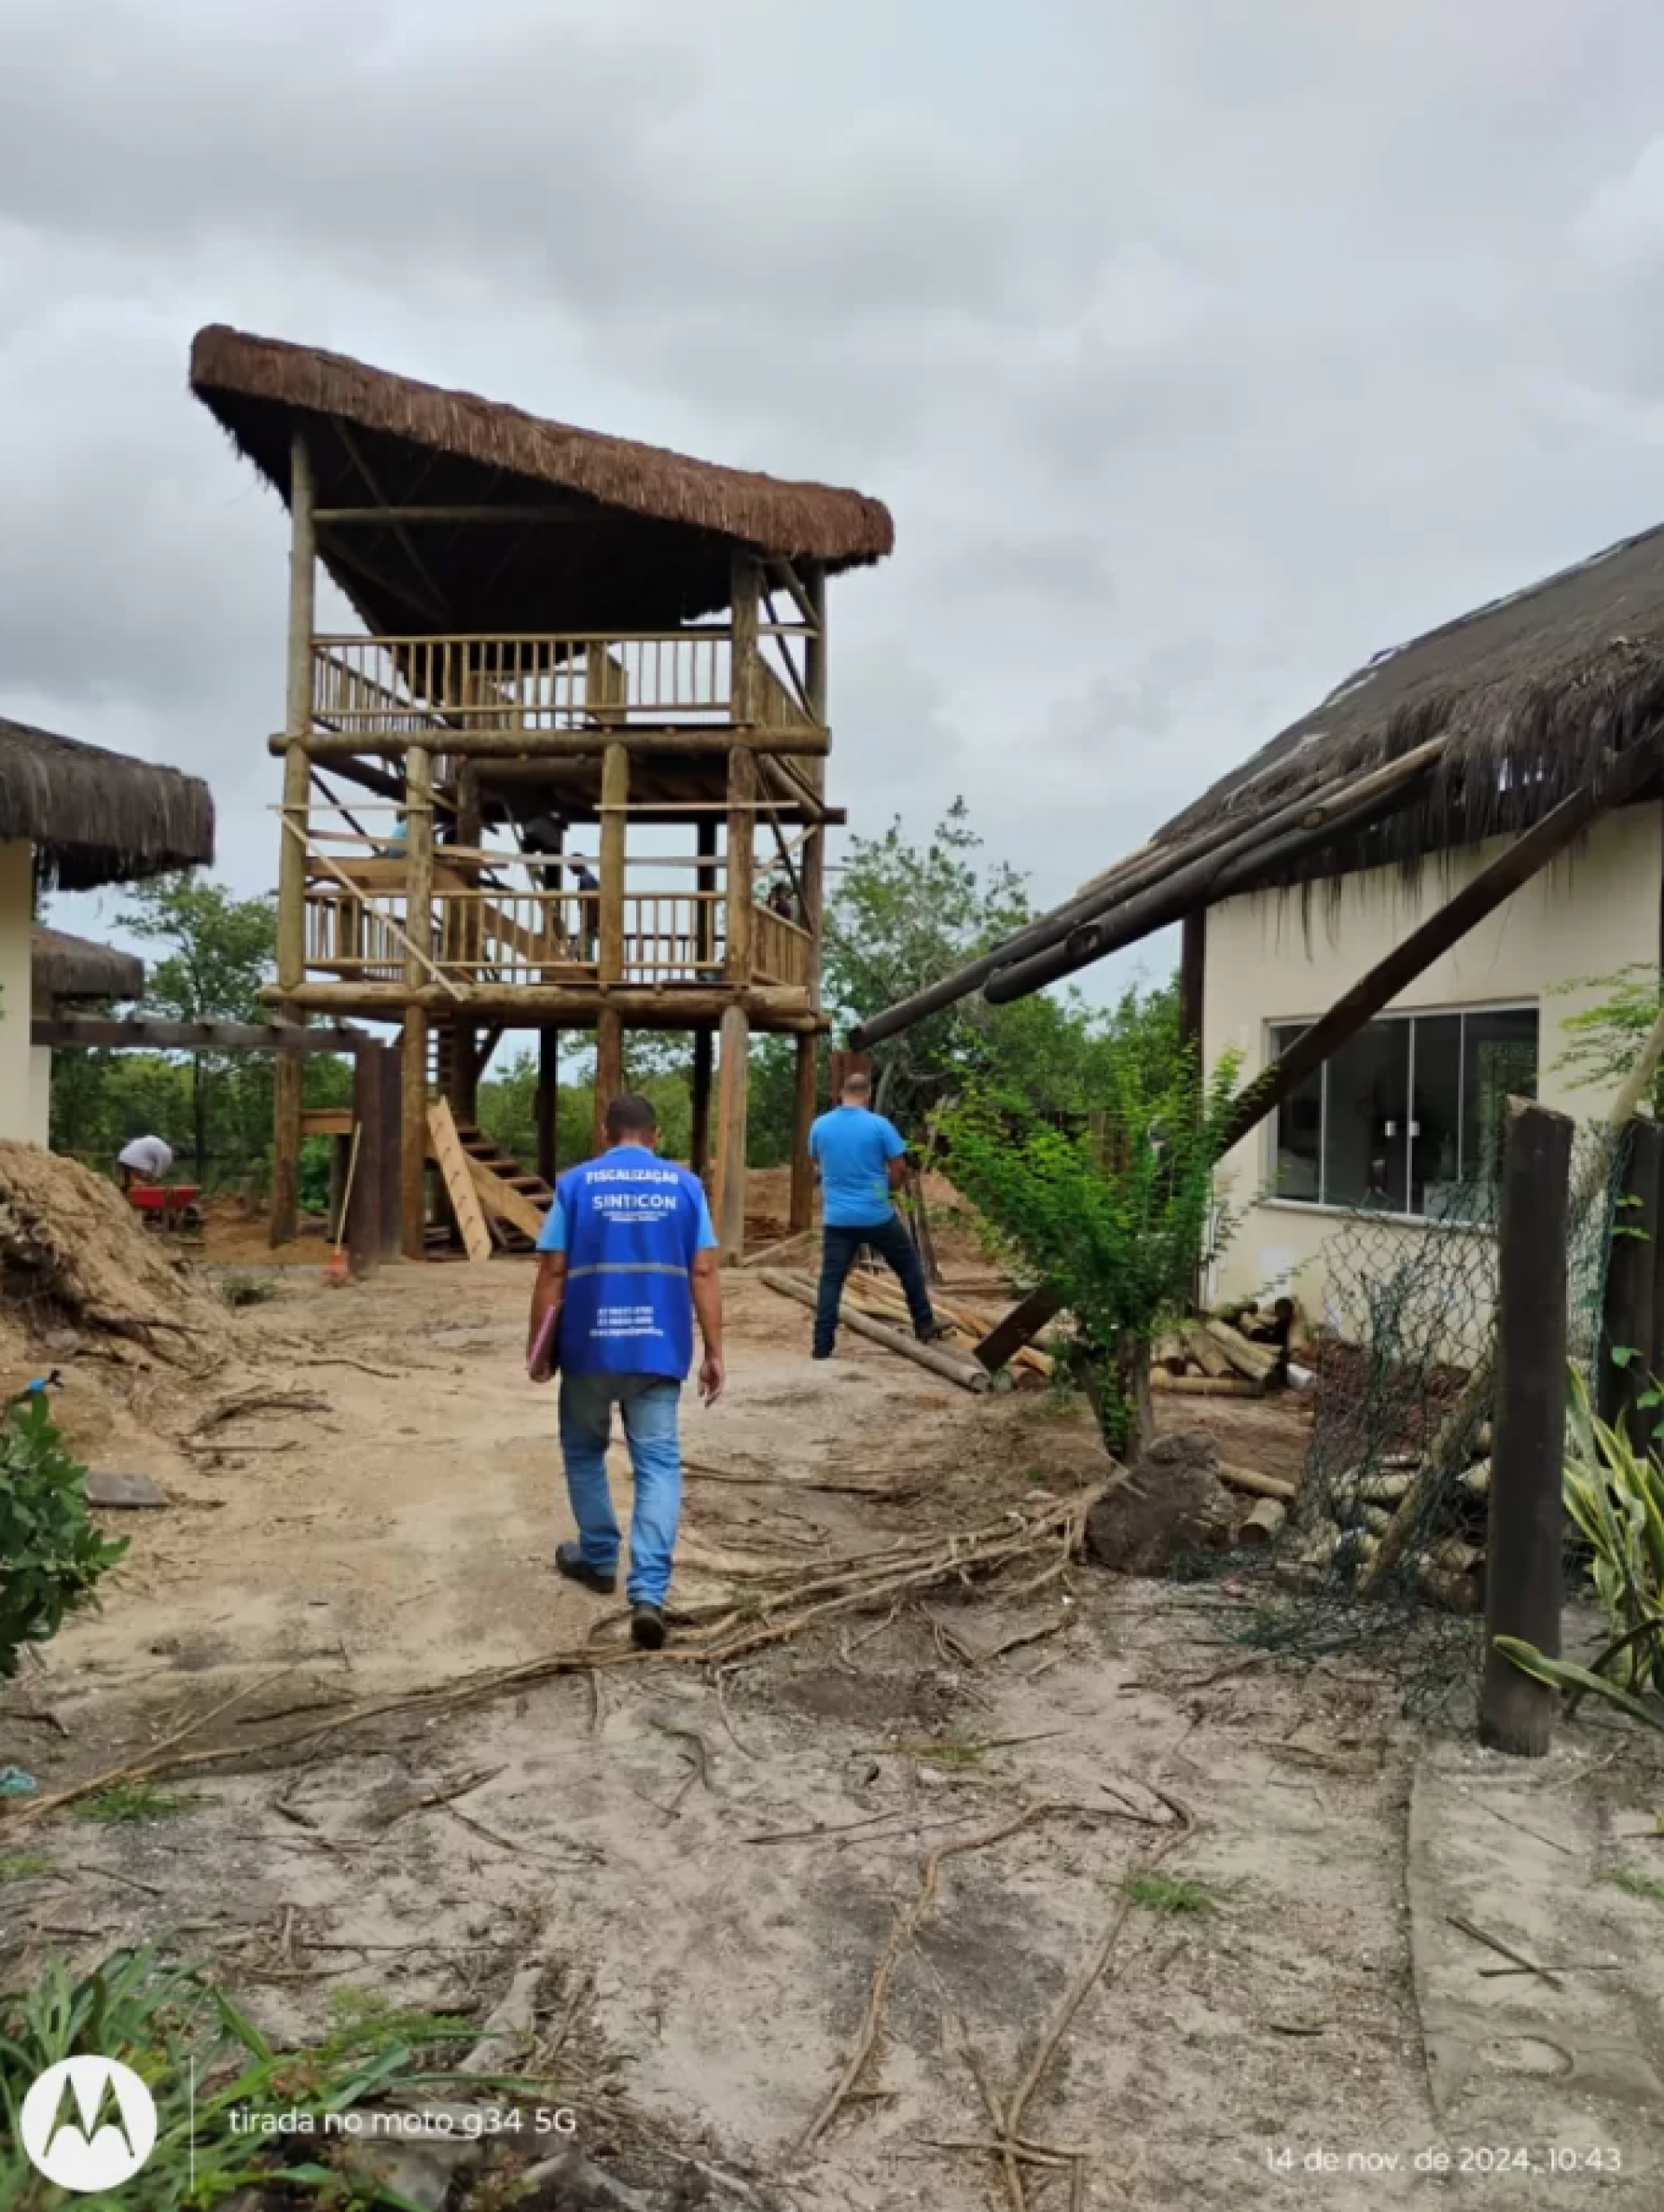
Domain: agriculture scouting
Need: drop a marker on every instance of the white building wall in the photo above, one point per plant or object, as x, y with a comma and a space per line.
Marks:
16, 990
1596, 912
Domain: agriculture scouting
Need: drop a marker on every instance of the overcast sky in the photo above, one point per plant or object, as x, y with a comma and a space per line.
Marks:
1201, 350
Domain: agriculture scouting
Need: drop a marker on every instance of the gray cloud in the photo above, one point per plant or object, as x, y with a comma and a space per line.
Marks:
1201, 352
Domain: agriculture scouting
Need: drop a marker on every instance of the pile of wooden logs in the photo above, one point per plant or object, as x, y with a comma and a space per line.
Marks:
1342, 1523
881, 1295
1239, 1352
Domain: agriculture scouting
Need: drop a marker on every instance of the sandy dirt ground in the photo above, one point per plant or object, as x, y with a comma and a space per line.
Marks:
695, 1874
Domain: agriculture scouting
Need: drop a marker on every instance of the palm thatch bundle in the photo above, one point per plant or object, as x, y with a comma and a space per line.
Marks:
1534, 694
66, 968
636, 535
96, 817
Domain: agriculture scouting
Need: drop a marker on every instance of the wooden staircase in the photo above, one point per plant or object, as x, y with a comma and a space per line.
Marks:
531, 1191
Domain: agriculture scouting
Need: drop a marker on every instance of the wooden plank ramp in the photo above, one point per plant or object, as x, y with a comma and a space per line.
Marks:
446, 1146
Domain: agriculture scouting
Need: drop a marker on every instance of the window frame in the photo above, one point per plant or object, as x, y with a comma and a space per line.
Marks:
1322, 1203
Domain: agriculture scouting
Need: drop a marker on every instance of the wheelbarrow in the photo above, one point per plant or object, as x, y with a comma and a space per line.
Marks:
171, 1209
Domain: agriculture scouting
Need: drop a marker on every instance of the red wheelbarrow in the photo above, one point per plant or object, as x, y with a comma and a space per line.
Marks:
174, 1209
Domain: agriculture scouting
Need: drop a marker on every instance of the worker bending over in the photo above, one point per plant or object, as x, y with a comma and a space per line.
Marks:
146, 1160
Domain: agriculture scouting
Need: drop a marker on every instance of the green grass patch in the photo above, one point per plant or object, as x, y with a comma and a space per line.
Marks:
125, 1803
239, 1291
1167, 1893
25, 1866
954, 1754
1636, 1884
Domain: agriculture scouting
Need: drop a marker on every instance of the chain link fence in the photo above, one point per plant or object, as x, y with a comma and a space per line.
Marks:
1384, 1546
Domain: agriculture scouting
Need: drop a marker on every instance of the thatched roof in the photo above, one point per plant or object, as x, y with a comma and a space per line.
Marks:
99, 817
646, 536
65, 967
1531, 692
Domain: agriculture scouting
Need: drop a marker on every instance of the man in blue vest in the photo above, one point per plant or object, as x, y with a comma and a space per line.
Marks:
863, 1159
629, 1258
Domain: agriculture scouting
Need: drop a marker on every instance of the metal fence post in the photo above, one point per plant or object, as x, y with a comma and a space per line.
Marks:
1522, 1557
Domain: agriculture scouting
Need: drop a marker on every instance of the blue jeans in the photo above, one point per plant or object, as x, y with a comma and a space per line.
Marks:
649, 1404
890, 1240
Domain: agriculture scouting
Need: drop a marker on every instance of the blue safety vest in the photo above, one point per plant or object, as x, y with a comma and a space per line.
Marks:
631, 1230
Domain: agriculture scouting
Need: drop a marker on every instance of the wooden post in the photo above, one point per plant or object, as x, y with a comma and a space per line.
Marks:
730, 1207
389, 1224
813, 864
469, 937
804, 1107
340, 1151
700, 1146
609, 1069
287, 1076
549, 1102
1192, 969
419, 928
1523, 1566
615, 797
364, 1244
742, 825
1626, 1320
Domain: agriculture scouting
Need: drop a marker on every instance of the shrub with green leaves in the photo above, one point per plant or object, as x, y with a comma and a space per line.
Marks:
1614, 1498
52, 1557
1116, 1219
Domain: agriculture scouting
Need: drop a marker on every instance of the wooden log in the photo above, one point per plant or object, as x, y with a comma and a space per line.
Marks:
142, 1034
508, 748
1523, 1579
286, 1076
771, 1254
1020, 1326
733, 1103
614, 794
884, 1294
1258, 1484
1253, 1359
967, 1373
610, 1071
1208, 1386
1263, 1526
741, 899
1621, 1371
1201, 1349
574, 1005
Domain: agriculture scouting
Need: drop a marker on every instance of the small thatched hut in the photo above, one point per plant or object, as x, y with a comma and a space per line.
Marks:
75, 816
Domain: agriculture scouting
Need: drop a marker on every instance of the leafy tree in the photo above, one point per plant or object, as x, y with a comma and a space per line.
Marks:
52, 1556
1604, 1041
221, 951
1114, 1217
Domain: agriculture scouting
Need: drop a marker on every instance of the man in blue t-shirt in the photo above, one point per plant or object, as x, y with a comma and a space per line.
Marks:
629, 1259
863, 1159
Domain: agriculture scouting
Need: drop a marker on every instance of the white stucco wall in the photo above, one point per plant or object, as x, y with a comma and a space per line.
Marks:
17, 1054
1596, 912
40, 1096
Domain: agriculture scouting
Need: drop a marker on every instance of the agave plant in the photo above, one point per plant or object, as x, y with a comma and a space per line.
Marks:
1614, 1498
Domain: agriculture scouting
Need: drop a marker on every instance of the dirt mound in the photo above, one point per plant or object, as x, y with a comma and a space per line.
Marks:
1173, 1502
73, 1254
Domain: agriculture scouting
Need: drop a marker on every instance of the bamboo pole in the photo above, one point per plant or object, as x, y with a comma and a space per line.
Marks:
418, 918
287, 1075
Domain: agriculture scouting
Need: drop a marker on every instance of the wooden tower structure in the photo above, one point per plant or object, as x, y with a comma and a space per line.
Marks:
584, 726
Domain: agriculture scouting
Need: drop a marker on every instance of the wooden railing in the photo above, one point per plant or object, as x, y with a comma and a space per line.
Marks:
400, 685
781, 952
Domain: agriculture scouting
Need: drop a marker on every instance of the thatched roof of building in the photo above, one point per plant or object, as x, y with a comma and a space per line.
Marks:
644, 539
66, 968
1531, 693
96, 816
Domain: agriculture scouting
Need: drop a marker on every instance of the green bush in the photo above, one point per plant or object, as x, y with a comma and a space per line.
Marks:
1115, 1219
51, 1556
